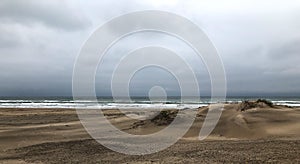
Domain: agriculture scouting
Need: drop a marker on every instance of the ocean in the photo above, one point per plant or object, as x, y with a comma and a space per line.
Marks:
137, 102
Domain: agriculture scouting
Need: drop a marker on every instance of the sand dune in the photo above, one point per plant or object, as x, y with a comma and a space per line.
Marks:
254, 123
56, 135
257, 123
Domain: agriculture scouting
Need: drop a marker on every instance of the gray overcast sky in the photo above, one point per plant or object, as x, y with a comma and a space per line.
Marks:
258, 41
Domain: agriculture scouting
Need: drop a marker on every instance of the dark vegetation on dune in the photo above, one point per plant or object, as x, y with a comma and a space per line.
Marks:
269, 103
260, 103
164, 117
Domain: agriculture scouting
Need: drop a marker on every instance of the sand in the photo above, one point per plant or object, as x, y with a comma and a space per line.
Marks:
258, 134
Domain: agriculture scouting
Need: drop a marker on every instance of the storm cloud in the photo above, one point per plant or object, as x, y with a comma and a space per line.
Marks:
257, 41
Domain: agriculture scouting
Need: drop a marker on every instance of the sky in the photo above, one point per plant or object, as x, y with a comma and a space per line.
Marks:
258, 42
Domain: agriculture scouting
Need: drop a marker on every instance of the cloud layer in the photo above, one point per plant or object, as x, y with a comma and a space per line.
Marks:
258, 42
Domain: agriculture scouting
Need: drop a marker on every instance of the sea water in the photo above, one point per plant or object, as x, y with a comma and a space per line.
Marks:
136, 102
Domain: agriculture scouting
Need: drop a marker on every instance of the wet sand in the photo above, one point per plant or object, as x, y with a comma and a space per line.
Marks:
259, 134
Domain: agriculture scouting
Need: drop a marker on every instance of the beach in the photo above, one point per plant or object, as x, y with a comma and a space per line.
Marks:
140, 82
245, 133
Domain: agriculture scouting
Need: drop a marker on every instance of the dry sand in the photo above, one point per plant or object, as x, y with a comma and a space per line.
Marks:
257, 134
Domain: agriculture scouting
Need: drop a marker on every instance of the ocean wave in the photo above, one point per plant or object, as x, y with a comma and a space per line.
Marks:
110, 104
